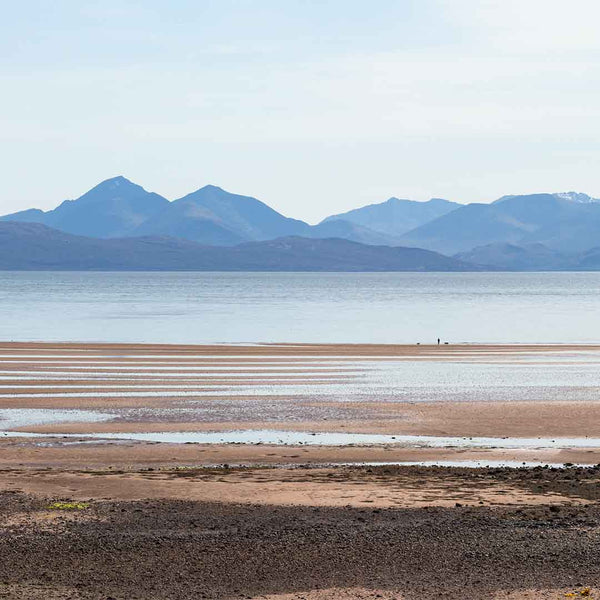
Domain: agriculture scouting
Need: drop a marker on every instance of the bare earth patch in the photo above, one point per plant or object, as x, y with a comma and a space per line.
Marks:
335, 594
580, 592
339, 487
23, 591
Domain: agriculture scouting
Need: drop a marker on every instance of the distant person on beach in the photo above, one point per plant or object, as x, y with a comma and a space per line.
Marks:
438, 341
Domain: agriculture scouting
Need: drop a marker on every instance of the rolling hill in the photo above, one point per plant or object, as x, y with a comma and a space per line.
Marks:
33, 246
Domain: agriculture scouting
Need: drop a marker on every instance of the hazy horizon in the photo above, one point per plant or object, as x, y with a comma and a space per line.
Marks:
315, 108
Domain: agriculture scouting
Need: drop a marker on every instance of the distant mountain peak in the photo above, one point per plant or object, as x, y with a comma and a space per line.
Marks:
113, 208
118, 180
395, 216
576, 197
211, 191
110, 188
211, 187
115, 182
394, 200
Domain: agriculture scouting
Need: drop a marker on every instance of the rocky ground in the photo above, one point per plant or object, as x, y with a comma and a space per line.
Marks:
173, 549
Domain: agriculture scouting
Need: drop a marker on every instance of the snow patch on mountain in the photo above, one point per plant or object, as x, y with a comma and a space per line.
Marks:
576, 197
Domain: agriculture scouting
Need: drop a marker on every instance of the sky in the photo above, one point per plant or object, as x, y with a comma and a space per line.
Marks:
313, 106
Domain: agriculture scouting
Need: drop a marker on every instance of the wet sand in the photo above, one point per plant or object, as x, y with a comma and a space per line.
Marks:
153, 388
473, 419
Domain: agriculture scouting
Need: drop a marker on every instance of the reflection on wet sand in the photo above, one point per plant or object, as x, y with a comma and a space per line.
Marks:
455, 397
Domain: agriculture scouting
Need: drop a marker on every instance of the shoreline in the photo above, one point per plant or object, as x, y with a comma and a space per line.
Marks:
59, 453
340, 348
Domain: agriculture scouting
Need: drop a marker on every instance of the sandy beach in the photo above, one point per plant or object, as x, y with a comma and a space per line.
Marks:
308, 520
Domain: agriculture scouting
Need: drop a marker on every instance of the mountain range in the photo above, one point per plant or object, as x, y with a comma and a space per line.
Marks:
547, 231
119, 208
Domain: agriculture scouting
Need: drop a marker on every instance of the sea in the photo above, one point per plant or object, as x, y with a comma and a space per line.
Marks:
200, 308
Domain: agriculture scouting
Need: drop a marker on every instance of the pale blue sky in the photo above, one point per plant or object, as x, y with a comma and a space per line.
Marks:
313, 106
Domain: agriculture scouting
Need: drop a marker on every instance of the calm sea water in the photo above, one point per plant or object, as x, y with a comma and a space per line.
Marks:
300, 307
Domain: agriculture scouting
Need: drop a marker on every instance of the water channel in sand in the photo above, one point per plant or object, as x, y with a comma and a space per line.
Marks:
22, 418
